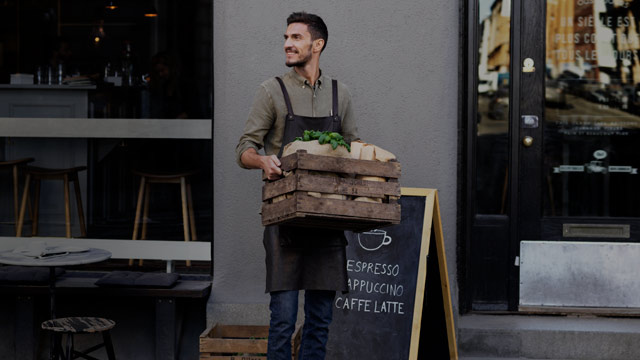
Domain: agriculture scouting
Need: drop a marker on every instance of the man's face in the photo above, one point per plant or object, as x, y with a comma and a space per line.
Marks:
297, 44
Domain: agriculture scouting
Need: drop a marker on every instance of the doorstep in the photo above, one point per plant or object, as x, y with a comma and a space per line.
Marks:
515, 336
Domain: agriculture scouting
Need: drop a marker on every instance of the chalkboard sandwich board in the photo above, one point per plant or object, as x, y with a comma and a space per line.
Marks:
325, 191
399, 305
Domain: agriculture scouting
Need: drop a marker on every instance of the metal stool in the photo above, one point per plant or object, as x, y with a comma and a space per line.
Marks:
37, 174
80, 325
188, 221
15, 165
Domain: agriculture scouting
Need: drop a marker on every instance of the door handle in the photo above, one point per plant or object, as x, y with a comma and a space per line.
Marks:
527, 141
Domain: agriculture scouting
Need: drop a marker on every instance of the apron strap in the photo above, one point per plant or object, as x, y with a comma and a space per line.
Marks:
334, 86
286, 96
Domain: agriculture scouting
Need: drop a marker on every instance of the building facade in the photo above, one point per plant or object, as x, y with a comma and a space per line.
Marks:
522, 114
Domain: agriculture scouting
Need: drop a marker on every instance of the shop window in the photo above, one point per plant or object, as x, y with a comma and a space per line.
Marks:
121, 90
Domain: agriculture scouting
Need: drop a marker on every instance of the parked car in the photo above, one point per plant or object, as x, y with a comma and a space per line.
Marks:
619, 99
554, 94
599, 96
634, 98
499, 104
485, 87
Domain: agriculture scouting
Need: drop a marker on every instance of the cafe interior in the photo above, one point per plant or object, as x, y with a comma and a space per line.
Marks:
106, 175
116, 97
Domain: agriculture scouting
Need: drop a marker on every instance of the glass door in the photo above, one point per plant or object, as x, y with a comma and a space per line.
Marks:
579, 117
552, 142
592, 107
576, 130
489, 125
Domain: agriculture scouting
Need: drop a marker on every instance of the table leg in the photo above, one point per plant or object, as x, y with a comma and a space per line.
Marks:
25, 329
54, 351
166, 329
52, 291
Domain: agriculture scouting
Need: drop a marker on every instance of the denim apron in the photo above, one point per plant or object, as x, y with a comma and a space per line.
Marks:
306, 258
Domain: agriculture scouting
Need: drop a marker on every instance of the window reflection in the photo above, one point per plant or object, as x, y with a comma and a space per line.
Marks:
493, 106
592, 97
77, 60
118, 51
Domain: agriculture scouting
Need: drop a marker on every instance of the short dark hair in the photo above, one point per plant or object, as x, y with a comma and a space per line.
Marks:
316, 25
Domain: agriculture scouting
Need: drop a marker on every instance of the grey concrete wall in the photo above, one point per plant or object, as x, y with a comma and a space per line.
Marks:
400, 61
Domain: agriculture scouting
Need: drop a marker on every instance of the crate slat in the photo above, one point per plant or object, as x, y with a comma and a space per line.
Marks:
302, 160
284, 209
258, 331
306, 211
305, 205
344, 186
240, 342
226, 345
330, 185
324, 206
277, 188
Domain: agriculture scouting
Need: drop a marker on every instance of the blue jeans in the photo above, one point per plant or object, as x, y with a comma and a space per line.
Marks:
318, 311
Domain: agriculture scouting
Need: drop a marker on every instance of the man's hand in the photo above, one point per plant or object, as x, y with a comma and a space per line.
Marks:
270, 164
271, 167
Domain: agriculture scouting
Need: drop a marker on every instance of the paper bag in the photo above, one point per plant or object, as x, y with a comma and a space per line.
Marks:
314, 147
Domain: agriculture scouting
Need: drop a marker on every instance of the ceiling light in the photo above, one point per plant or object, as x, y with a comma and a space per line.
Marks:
151, 12
111, 5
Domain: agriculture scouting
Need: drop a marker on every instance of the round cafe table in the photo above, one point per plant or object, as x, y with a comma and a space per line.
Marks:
58, 257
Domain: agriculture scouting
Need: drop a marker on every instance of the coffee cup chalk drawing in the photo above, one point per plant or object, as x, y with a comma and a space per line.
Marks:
374, 239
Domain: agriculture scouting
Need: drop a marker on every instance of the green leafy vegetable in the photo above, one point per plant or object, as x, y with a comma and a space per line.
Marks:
324, 137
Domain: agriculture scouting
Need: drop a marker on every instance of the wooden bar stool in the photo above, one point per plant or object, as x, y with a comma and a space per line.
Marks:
36, 175
15, 165
188, 221
71, 326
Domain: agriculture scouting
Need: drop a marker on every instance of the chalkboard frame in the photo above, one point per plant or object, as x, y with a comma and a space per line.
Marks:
432, 218
421, 282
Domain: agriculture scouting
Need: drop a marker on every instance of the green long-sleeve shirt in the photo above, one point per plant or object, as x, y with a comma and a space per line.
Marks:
265, 125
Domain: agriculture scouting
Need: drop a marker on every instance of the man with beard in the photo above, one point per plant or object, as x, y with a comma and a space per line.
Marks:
313, 260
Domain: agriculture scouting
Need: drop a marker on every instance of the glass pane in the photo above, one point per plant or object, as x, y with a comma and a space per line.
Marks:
134, 65
493, 106
592, 98
99, 72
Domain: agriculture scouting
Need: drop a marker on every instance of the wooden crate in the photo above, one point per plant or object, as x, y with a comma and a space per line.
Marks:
300, 209
240, 342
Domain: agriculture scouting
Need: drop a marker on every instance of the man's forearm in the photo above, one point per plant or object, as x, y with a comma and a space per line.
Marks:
269, 163
251, 159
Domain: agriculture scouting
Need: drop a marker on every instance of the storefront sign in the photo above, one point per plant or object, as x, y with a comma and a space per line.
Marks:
623, 169
595, 167
568, 168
